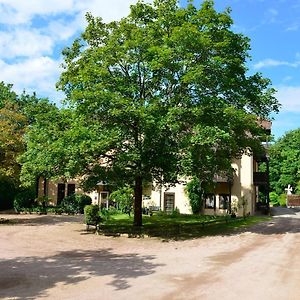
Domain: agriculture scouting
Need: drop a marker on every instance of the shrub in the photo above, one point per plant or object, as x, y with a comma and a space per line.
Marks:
274, 199
42, 210
24, 199
42, 201
195, 195
74, 204
282, 200
123, 197
105, 214
91, 215
8, 192
175, 213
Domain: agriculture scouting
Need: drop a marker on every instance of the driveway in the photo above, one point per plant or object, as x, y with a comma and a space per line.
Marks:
53, 257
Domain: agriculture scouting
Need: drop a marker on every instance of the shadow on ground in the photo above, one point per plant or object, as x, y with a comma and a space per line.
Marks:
30, 277
278, 225
34, 220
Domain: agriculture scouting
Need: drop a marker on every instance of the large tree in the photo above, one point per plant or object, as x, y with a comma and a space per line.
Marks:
158, 91
17, 112
285, 162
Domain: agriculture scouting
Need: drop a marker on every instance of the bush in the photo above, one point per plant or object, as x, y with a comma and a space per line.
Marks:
24, 199
74, 204
195, 195
123, 197
42, 210
105, 214
91, 215
175, 213
282, 200
42, 201
274, 199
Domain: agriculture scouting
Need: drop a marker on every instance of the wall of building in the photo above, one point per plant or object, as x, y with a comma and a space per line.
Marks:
241, 190
51, 187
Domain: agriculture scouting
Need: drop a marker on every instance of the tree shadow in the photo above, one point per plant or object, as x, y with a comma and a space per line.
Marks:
278, 225
30, 277
36, 220
284, 211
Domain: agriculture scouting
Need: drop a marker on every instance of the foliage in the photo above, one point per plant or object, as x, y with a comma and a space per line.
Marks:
74, 204
47, 145
12, 124
175, 213
282, 200
42, 201
195, 195
285, 163
24, 199
91, 215
8, 190
123, 196
16, 113
274, 199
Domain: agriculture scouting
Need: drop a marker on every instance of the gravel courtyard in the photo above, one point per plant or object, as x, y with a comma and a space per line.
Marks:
53, 257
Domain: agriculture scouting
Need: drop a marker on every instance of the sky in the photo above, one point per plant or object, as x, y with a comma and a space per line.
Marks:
33, 34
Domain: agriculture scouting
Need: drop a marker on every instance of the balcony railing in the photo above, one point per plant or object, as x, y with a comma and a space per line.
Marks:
260, 178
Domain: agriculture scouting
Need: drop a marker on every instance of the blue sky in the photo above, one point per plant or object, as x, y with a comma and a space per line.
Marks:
33, 33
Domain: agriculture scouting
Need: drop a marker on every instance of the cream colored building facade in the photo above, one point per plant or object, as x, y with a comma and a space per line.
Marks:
240, 195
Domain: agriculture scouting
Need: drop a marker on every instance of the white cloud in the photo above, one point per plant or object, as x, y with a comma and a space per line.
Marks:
60, 30
32, 29
289, 97
267, 63
20, 11
107, 9
38, 74
294, 27
22, 42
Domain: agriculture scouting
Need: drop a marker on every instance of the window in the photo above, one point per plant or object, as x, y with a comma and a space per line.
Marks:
71, 189
210, 201
224, 201
61, 187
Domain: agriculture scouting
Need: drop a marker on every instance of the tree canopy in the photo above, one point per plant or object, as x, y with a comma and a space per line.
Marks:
17, 114
285, 163
164, 92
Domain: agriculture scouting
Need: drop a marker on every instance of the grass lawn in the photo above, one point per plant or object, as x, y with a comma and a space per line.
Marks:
178, 227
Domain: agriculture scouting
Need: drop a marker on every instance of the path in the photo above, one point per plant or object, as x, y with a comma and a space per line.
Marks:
44, 257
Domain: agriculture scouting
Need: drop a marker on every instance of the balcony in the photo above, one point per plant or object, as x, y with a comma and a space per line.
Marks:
260, 178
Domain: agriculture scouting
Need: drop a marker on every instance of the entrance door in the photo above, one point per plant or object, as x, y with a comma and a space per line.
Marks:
103, 200
61, 187
169, 202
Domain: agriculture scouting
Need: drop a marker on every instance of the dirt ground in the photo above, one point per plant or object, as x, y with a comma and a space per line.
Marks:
53, 257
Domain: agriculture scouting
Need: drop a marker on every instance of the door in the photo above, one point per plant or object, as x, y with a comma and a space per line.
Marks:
104, 201
61, 187
169, 202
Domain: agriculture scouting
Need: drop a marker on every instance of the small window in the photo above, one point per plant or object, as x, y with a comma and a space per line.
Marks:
210, 201
224, 201
70, 189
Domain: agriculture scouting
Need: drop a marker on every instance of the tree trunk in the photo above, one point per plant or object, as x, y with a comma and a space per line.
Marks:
138, 197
